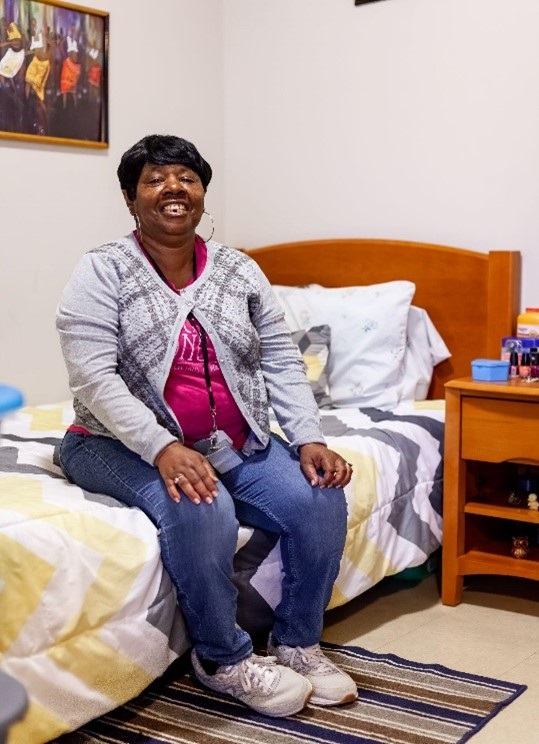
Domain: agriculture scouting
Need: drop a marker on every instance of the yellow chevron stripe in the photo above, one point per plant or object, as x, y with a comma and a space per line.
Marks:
39, 725
45, 419
359, 551
314, 366
21, 593
78, 647
100, 666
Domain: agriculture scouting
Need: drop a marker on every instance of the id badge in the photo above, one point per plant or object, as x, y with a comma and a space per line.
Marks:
222, 455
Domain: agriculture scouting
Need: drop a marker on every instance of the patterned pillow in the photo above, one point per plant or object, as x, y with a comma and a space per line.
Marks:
368, 336
314, 345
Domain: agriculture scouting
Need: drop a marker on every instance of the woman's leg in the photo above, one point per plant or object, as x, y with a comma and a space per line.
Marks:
198, 541
271, 492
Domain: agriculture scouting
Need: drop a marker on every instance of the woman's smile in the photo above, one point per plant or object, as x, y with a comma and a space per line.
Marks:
175, 208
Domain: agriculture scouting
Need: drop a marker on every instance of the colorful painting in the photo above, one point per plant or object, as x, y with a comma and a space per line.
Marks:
53, 73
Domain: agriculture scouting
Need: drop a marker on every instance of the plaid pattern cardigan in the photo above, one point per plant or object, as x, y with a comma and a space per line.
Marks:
119, 324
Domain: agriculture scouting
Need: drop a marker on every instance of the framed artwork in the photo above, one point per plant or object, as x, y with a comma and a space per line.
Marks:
53, 73
364, 2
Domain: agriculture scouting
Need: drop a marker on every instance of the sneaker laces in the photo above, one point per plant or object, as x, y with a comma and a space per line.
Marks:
254, 673
313, 660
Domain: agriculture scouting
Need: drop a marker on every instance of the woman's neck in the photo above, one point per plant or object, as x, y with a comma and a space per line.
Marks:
175, 261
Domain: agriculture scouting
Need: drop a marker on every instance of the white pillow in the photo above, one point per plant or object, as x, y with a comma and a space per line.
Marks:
368, 336
425, 348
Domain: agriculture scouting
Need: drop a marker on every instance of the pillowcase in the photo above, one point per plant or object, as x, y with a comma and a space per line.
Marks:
368, 336
314, 345
425, 348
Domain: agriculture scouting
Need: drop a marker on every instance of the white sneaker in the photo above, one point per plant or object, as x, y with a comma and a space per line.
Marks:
260, 683
331, 686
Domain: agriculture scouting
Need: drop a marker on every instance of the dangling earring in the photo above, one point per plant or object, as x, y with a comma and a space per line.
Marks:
134, 215
212, 227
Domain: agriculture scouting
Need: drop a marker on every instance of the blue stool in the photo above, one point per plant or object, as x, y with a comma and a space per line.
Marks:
10, 399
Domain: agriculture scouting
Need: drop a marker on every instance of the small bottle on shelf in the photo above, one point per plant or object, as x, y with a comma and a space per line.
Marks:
524, 368
513, 365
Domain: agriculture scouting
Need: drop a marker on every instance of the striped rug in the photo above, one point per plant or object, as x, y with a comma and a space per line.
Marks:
400, 702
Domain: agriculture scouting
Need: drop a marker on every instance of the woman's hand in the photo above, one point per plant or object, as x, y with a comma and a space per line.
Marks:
315, 457
186, 471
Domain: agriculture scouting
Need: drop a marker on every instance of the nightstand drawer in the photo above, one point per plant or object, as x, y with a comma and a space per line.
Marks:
497, 430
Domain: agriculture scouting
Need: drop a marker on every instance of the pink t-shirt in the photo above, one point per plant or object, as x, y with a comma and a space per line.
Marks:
186, 391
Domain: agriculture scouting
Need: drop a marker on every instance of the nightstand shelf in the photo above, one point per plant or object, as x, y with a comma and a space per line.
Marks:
491, 430
478, 562
498, 511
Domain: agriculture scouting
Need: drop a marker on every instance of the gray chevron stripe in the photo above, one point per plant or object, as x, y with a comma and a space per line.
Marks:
403, 518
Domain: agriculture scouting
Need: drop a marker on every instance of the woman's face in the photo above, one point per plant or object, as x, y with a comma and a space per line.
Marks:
169, 201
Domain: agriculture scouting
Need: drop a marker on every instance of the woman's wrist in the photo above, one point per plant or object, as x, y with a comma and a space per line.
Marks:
307, 444
162, 452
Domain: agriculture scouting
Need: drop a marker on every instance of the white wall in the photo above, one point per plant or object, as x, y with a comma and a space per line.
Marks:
57, 202
412, 119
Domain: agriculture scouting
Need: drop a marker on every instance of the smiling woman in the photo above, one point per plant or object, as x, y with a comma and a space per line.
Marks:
176, 348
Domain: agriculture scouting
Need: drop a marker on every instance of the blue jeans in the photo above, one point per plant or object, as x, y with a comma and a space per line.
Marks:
198, 541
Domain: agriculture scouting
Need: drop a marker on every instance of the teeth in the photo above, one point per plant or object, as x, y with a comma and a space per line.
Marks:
174, 208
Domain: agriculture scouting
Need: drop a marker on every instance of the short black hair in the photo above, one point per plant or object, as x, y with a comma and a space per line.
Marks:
160, 149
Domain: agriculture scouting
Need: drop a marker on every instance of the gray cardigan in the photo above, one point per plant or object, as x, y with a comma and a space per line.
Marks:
119, 324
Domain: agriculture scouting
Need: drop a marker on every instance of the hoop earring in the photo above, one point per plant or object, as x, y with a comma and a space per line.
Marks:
212, 227
134, 215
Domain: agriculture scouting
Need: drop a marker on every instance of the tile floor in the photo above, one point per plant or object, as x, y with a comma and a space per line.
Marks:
493, 632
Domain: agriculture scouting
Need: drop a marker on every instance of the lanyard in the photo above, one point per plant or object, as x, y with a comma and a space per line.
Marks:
213, 410
203, 341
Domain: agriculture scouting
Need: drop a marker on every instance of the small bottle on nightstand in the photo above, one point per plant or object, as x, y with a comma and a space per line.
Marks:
524, 369
513, 365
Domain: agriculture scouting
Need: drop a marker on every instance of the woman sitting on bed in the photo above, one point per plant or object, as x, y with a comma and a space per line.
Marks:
175, 349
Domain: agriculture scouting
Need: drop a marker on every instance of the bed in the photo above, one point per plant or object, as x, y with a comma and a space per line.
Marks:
88, 614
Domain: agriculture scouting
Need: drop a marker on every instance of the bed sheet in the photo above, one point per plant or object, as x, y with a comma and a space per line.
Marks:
88, 614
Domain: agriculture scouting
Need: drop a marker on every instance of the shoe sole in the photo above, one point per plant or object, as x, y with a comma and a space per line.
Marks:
291, 712
348, 698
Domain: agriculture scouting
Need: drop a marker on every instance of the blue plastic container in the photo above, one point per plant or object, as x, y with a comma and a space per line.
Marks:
10, 399
490, 370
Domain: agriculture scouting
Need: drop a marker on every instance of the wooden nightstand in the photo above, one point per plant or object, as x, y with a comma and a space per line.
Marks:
490, 429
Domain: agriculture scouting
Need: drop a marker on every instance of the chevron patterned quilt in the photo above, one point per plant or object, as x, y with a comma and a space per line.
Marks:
88, 616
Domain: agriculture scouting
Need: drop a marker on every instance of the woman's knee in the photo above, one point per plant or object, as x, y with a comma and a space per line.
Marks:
322, 512
211, 526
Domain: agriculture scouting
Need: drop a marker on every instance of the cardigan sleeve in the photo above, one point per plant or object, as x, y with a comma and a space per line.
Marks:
88, 321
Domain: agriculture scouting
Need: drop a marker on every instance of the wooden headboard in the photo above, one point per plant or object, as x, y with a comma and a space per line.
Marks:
472, 298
